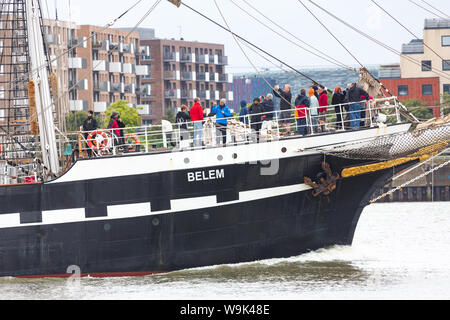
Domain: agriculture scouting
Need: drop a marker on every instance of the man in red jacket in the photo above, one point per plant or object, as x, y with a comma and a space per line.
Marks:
323, 104
196, 114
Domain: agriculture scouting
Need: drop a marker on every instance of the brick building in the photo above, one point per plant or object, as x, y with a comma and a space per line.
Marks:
180, 72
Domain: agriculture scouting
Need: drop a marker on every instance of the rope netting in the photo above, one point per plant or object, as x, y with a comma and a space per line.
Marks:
410, 144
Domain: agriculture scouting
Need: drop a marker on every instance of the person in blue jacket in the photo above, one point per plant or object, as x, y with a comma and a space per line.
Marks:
243, 115
222, 112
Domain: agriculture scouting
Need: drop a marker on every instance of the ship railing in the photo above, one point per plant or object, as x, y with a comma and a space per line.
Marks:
251, 128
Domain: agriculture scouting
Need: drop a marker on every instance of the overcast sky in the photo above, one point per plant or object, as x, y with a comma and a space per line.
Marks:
172, 22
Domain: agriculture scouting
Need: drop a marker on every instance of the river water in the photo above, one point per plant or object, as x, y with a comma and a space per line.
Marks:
400, 251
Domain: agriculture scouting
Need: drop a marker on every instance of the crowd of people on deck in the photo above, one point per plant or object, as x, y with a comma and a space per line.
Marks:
307, 112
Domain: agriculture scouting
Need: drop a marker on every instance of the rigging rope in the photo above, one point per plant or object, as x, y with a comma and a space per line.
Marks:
379, 42
323, 25
426, 45
245, 40
436, 9
418, 5
245, 54
411, 181
328, 58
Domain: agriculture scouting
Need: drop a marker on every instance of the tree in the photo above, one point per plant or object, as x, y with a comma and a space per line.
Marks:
129, 115
418, 109
170, 116
446, 103
74, 120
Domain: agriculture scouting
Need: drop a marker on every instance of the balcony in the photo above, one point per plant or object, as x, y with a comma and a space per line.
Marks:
142, 70
80, 42
225, 78
128, 48
116, 46
188, 94
101, 106
115, 67
201, 76
79, 85
100, 45
118, 87
170, 75
78, 105
146, 91
127, 68
223, 60
188, 76
203, 59
204, 94
102, 86
77, 63
187, 57
99, 65
129, 88
170, 56
145, 51
170, 94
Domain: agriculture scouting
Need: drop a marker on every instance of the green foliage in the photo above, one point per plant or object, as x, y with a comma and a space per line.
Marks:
446, 103
418, 109
129, 115
74, 120
170, 116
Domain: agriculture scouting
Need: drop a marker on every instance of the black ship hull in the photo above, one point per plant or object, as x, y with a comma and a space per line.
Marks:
163, 221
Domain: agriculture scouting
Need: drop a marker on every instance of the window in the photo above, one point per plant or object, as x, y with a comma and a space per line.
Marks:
403, 90
445, 41
427, 89
447, 88
426, 65
446, 65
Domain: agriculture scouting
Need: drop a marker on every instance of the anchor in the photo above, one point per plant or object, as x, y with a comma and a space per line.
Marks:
326, 181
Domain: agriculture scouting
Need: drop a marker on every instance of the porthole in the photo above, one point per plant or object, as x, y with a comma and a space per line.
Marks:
186, 160
206, 216
107, 227
235, 156
284, 150
155, 222
220, 157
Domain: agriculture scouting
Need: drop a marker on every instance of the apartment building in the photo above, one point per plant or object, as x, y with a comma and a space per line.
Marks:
101, 68
433, 52
180, 72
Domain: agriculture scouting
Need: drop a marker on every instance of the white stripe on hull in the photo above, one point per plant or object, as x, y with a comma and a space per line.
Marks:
144, 209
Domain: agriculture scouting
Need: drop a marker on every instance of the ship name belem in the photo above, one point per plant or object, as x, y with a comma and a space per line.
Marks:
206, 175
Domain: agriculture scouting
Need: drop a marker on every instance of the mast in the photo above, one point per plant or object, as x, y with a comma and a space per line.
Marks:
40, 78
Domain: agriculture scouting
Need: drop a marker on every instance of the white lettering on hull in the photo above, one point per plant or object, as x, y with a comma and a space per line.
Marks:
206, 175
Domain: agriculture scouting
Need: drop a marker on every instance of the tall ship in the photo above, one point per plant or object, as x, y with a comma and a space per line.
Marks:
158, 203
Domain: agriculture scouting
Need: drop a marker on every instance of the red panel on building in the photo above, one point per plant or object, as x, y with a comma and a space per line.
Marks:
423, 89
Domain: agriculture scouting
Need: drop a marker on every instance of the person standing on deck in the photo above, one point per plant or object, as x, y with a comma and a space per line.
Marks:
243, 114
89, 124
268, 107
314, 110
197, 118
338, 100
113, 125
354, 98
182, 119
285, 106
323, 103
256, 111
302, 104
222, 112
